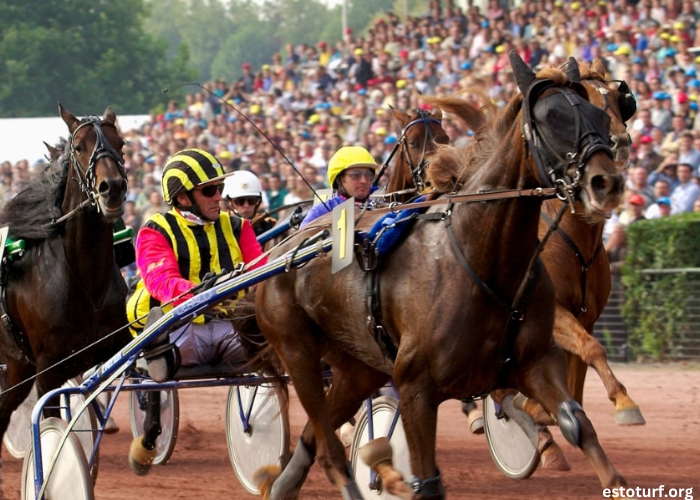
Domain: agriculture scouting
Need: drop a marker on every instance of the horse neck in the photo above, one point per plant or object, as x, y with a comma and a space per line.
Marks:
400, 178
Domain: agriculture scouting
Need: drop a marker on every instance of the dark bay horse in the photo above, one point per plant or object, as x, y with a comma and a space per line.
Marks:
66, 292
467, 264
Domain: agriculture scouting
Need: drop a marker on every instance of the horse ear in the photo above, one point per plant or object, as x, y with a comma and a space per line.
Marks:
523, 74
109, 116
54, 153
598, 66
571, 70
437, 113
68, 118
400, 116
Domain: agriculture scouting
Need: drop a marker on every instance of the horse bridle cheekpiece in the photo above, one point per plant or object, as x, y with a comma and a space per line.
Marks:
418, 171
102, 149
562, 129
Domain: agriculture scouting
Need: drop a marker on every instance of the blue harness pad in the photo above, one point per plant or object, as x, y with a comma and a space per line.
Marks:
389, 231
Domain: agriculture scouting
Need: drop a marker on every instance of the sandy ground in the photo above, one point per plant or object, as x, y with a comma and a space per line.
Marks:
665, 451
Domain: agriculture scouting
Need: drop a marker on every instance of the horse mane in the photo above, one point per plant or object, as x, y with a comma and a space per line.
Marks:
31, 212
450, 167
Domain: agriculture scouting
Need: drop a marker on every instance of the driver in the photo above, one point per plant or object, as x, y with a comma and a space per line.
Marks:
243, 196
175, 250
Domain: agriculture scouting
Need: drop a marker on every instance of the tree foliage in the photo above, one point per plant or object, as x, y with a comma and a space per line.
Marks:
85, 54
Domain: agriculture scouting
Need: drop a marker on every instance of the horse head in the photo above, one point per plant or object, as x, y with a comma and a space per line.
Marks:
568, 138
421, 132
96, 155
615, 98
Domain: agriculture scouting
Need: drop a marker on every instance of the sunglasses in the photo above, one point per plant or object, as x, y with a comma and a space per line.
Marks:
211, 190
356, 176
250, 200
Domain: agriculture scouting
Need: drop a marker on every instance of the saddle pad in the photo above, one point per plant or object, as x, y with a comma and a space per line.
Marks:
390, 230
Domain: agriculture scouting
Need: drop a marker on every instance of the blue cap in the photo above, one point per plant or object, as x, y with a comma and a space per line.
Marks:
670, 52
638, 60
660, 95
690, 72
390, 139
694, 83
665, 200
466, 65
484, 23
693, 105
411, 75
362, 92
305, 134
612, 47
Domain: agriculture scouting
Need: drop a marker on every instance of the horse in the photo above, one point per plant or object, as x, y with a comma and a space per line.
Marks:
575, 258
421, 132
63, 300
547, 136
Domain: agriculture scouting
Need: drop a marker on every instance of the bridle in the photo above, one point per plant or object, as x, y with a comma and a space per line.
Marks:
417, 171
86, 177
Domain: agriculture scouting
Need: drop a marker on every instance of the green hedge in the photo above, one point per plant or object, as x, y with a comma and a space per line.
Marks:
656, 307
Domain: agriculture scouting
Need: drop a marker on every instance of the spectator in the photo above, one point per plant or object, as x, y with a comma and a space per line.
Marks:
634, 210
275, 194
687, 153
647, 158
684, 195
662, 190
616, 248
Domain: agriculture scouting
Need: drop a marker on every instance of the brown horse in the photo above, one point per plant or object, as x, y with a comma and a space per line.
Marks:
421, 132
575, 258
66, 292
430, 292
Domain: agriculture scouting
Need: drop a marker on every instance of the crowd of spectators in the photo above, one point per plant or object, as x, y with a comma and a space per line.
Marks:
312, 99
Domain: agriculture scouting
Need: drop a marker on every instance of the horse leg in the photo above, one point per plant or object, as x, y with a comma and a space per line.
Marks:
13, 392
475, 417
143, 450
546, 378
353, 381
570, 335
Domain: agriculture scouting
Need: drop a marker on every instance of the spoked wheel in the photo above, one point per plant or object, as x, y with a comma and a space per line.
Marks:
257, 430
384, 414
19, 434
70, 477
511, 449
169, 420
85, 427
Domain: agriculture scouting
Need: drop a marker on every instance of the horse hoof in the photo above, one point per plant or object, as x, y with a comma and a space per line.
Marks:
264, 477
629, 416
376, 451
552, 458
140, 458
476, 422
111, 426
347, 432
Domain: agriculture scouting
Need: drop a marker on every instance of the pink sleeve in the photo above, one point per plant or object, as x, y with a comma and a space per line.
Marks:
250, 248
158, 266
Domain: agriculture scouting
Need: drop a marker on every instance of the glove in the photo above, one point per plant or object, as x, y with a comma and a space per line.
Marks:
209, 280
225, 310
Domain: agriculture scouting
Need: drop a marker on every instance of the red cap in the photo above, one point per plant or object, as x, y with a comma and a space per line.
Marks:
636, 199
348, 31
682, 98
403, 53
322, 129
321, 44
646, 139
246, 65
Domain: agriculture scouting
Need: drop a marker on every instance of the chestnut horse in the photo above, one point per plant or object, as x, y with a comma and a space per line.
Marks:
430, 292
575, 258
65, 293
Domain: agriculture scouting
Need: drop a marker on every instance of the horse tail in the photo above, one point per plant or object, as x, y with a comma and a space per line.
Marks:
474, 114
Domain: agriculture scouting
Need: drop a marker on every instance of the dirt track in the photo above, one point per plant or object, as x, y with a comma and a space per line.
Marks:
666, 451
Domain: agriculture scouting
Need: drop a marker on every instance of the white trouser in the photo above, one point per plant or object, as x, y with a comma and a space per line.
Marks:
214, 342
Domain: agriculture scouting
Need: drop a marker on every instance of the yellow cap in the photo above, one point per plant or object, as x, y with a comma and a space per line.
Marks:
558, 3
675, 39
349, 157
254, 109
622, 50
225, 154
279, 126
359, 51
664, 36
575, 5
313, 119
265, 66
500, 49
679, 25
400, 84
380, 131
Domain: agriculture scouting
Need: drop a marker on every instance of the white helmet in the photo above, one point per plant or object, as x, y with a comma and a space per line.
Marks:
242, 183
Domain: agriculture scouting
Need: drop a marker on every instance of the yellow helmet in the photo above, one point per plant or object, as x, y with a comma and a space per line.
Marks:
186, 170
349, 157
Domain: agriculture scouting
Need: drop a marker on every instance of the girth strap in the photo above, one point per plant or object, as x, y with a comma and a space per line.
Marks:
585, 264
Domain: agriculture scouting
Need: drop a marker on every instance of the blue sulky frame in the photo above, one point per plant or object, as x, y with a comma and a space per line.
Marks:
118, 365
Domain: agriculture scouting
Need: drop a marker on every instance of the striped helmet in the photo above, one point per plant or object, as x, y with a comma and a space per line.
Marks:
188, 169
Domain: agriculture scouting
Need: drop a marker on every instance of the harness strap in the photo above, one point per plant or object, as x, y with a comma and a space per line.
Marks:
24, 350
585, 264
